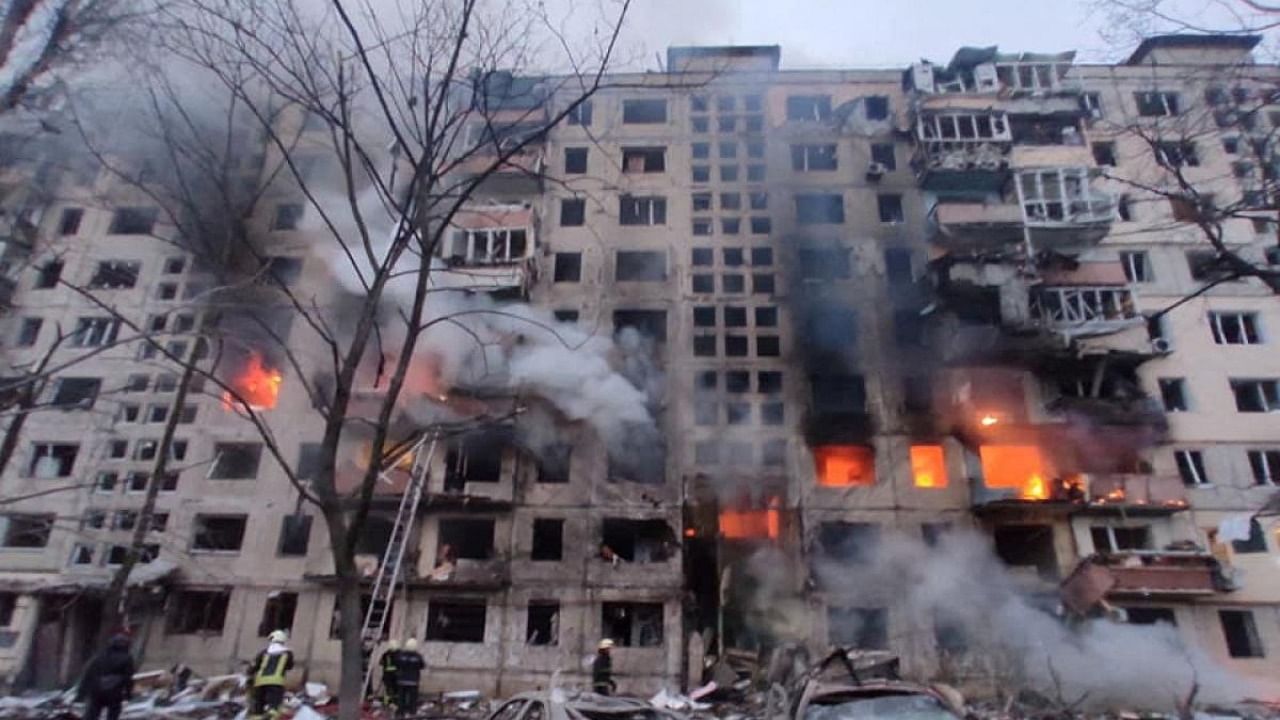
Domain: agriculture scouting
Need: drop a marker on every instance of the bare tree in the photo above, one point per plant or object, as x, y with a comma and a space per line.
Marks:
386, 126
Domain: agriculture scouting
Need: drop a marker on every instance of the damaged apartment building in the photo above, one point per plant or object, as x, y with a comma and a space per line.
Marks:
883, 302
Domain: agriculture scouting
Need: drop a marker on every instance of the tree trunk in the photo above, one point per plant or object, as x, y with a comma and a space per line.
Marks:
12, 433
115, 610
350, 622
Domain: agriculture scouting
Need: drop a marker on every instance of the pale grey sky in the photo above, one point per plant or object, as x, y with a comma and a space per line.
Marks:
893, 33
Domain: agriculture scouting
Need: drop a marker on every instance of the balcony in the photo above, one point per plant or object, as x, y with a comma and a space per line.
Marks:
1152, 494
465, 574
1060, 208
1024, 157
971, 226
489, 249
962, 151
1158, 572
1084, 311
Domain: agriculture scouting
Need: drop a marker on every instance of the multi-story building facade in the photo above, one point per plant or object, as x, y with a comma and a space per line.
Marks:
882, 304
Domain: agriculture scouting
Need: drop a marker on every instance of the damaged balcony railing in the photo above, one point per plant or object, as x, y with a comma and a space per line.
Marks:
1128, 490
1062, 196
1083, 309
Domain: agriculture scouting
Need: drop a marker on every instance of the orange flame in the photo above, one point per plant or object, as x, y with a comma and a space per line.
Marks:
928, 466
845, 465
257, 385
748, 524
1020, 467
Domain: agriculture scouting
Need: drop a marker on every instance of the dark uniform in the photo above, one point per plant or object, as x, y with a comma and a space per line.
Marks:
108, 680
388, 665
602, 673
267, 680
409, 665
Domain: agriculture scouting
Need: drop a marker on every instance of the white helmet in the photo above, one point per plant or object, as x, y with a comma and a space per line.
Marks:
411, 644
278, 636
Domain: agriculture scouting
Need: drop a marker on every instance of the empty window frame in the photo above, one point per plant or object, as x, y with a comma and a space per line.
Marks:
575, 160
947, 128
1241, 634
76, 393
467, 538
1110, 539
640, 266
819, 209
542, 625
51, 460
632, 624
580, 114
808, 108
95, 331
133, 221
1256, 396
876, 107
1234, 328
1191, 467
644, 160
493, 246
548, 540
1062, 195
191, 612
29, 332
1265, 465
235, 461
278, 612
648, 111
295, 535
649, 323
1104, 153
573, 212
633, 210
1177, 154
884, 155
456, 620
115, 275
476, 458
890, 209
21, 530
639, 541
568, 267
809, 158
1173, 394
219, 533
1157, 103
1137, 266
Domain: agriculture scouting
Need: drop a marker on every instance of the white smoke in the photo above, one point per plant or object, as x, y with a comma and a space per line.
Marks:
961, 583
480, 343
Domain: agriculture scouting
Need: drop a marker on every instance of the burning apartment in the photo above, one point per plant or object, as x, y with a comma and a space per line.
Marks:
851, 305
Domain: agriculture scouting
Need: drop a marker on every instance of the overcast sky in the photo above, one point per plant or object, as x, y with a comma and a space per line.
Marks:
891, 33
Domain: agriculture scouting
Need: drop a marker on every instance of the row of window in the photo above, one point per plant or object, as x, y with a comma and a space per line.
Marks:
1263, 464
811, 209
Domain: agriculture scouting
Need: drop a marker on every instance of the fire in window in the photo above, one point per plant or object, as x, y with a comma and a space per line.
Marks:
1019, 467
256, 384
928, 466
845, 465
751, 524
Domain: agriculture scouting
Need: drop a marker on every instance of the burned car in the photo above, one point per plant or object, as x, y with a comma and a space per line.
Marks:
569, 705
855, 685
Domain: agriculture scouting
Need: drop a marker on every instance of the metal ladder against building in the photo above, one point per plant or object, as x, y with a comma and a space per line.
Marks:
384, 583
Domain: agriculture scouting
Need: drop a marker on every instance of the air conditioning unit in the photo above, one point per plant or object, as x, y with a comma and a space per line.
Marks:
1161, 345
876, 170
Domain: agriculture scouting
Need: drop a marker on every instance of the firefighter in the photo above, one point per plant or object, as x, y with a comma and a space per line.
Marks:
266, 676
387, 662
409, 664
602, 669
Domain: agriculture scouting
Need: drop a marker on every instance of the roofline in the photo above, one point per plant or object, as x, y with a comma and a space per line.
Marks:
684, 52
1186, 40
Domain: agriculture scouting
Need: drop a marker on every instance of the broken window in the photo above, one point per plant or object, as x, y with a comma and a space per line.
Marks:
1255, 543
838, 393
1080, 304
1156, 103
69, 223
476, 459
8, 605
641, 266
649, 323
1149, 615
1191, 467
1022, 546
639, 541
883, 154
928, 466
1124, 208
824, 263
29, 332
548, 539
1104, 154
115, 275
807, 158
1137, 266
1204, 266
1265, 465
1062, 195
76, 392
1109, 539
1177, 154
287, 216
819, 209
845, 465
1235, 328
295, 535
808, 108
81, 554
193, 612
1256, 396
580, 114
648, 210
542, 626
632, 624
877, 107
456, 620
862, 628
644, 111
278, 612
25, 530
568, 267
485, 247
465, 538
854, 543
1241, 634
133, 221
831, 328
553, 463
219, 533
897, 266
50, 460
644, 160
95, 331
890, 208
575, 160
948, 128
48, 275
1173, 394
235, 461
573, 212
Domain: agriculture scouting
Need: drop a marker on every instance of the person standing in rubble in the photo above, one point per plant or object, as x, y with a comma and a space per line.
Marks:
108, 680
387, 663
409, 665
602, 669
266, 676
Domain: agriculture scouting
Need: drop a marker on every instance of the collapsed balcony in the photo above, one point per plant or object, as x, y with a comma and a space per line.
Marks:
514, 140
1142, 573
986, 70
1083, 311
